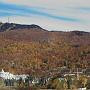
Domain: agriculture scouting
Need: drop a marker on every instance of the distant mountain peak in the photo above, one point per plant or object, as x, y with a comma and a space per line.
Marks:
14, 26
79, 33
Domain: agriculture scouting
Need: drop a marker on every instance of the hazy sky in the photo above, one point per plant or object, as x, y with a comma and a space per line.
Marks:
60, 15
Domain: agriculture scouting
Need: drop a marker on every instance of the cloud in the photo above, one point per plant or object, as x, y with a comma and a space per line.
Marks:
84, 9
50, 3
48, 24
23, 10
51, 14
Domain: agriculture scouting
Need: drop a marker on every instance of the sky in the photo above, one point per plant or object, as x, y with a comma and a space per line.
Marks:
59, 15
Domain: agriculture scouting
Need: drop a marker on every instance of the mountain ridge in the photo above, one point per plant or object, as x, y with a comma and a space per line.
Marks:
13, 26
49, 49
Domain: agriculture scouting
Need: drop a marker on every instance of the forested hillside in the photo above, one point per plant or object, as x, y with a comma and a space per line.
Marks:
28, 50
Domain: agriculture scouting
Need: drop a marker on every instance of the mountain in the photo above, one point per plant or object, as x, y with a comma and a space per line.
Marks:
31, 47
36, 33
13, 26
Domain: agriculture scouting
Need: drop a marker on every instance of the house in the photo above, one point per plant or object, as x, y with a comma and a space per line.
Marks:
6, 75
17, 77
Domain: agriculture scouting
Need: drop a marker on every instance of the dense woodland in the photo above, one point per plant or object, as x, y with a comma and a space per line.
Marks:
36, 51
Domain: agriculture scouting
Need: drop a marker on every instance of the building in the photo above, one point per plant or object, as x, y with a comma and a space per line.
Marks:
7, 75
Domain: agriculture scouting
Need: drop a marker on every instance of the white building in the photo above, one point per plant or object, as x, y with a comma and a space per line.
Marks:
17, 77
7, 75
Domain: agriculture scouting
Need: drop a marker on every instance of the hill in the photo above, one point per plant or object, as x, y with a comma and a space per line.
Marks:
29, 48
14, 26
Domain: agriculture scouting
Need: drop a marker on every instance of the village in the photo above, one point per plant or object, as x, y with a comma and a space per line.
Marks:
77, 79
